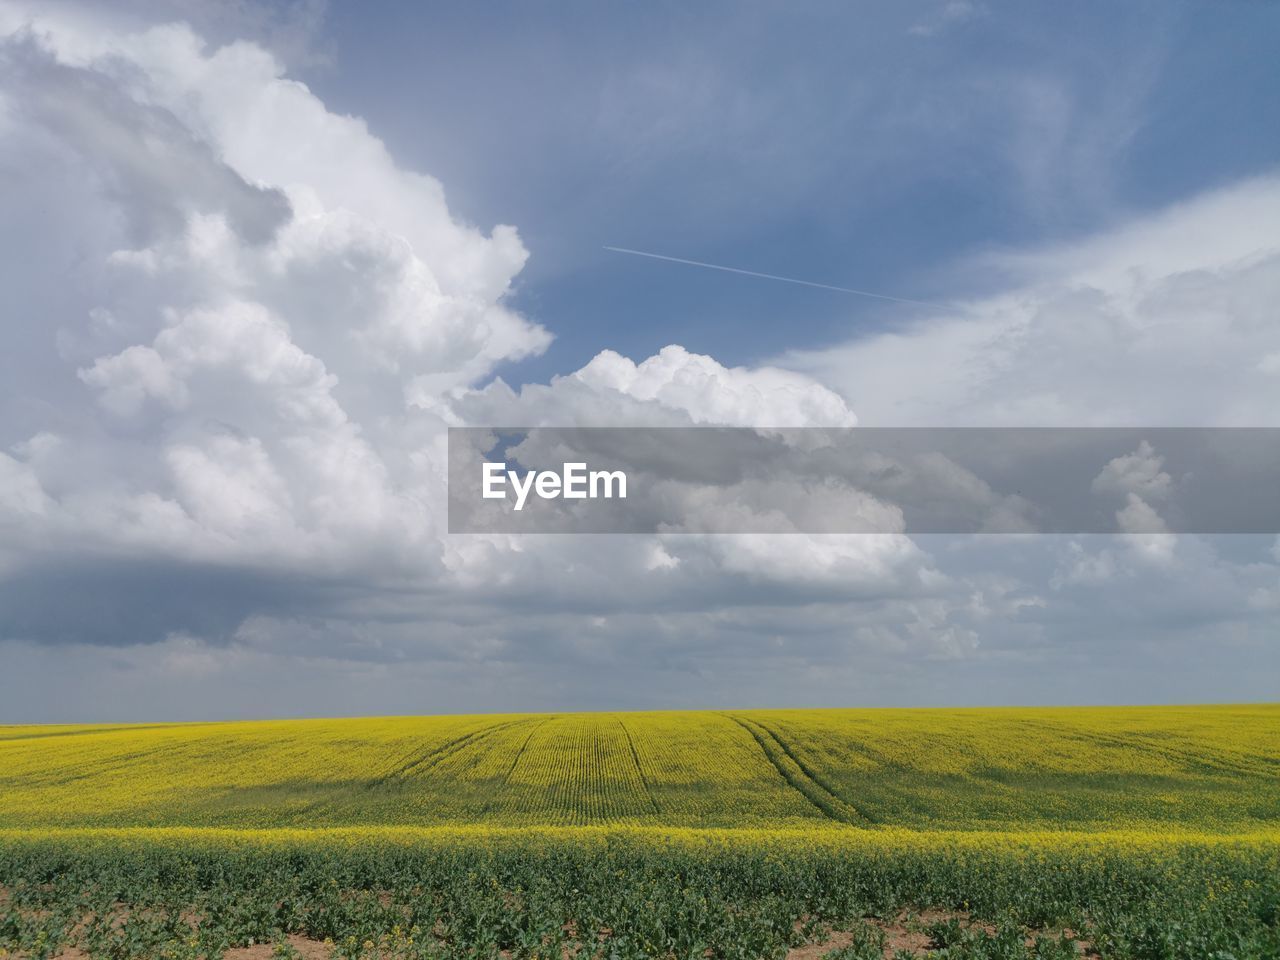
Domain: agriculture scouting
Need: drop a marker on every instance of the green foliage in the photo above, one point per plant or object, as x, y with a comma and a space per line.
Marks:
525, 895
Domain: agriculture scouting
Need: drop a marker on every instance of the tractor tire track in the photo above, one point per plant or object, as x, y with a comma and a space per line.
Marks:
435, 755
506, 780
813, 774
635, 756
797, 775
495, 800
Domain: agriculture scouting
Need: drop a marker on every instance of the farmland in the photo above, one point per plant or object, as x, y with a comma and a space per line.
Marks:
1124, 832
1196, 768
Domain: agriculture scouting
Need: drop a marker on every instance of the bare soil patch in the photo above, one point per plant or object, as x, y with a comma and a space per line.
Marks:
308, 949
908, 932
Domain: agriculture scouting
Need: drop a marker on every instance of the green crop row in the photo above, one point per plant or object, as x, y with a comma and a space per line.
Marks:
182, 895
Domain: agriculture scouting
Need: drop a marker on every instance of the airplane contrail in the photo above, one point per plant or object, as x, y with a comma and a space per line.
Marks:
768, 276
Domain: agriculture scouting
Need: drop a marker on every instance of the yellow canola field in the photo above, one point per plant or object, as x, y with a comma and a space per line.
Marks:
1136, 771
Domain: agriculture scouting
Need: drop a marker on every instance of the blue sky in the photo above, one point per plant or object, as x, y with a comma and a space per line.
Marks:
865, 145
260, 256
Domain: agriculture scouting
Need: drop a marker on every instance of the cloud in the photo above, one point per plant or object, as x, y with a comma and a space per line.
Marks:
1138, 517
1148, 534
1112, 330
257, 292
672, 388
947, 15
1138, 478
1139, 474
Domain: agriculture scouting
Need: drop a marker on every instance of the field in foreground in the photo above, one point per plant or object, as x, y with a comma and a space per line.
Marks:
431, 894
1200, 768
1134, 834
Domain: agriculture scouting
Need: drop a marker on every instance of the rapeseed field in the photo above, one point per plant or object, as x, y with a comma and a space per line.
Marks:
1194, 768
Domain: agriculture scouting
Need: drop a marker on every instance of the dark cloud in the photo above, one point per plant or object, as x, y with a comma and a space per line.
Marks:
154, 169
121, 602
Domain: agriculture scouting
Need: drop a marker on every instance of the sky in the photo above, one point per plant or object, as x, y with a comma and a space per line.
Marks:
260, 256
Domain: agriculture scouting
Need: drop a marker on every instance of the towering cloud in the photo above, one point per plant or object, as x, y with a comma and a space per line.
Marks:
241, 330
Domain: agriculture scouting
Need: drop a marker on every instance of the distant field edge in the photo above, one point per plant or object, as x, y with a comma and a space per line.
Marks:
829, 838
